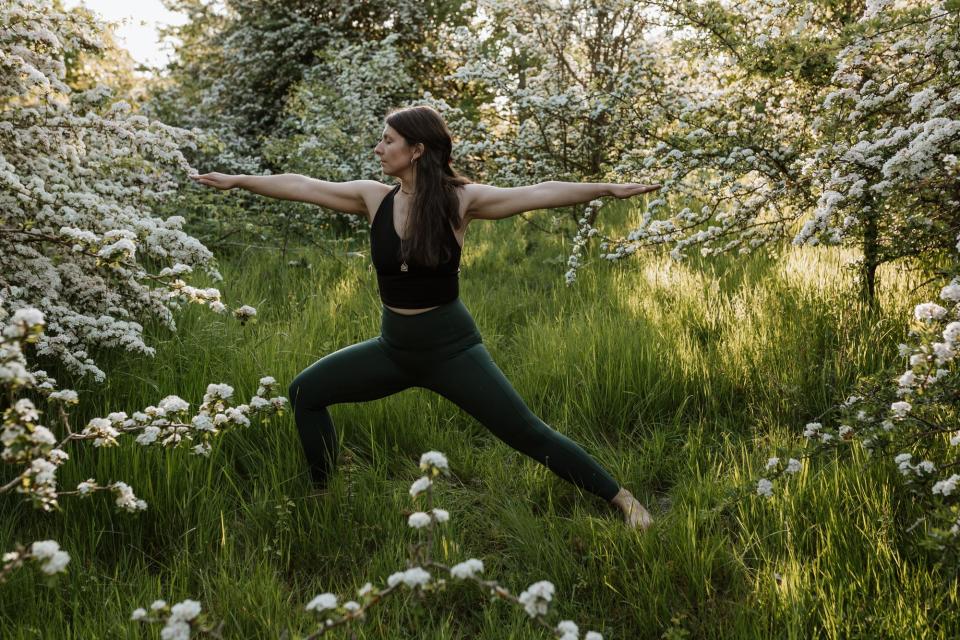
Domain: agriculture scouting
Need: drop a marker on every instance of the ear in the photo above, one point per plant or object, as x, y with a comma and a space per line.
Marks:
422, 149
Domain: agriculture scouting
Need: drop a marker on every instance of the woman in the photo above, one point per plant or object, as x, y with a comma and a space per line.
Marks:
428, 338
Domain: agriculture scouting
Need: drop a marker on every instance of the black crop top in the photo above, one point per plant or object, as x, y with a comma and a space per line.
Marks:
420, 286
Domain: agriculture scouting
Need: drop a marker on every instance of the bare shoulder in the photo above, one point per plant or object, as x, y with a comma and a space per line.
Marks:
373, 193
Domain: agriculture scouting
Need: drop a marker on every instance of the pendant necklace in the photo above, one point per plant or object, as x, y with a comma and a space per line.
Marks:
403, 267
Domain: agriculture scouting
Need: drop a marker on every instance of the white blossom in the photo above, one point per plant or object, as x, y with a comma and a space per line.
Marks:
765, 488
322, 602
467, 569
420, 485
536, 598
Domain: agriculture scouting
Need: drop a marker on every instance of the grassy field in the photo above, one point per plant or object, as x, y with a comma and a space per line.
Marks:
681, 378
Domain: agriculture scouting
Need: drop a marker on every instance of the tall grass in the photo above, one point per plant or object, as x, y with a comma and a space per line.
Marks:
681, 378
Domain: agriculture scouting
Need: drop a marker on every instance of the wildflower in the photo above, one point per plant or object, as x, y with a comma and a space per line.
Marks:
467, 569
126, 499
952, 332
903, 463
67, 396
419, 486
441, 515
49, 554
433, 459
221, 391
907, 379
765, 488
322, 602
900, 409
772, 462
138, 614
244, 313
202, 422
536, 598
148, 436
87, 486
929, 311
418, 520
793, 466
186, 610
943, 352
951, 292
410, 577
812, 429
948, 486
568, 630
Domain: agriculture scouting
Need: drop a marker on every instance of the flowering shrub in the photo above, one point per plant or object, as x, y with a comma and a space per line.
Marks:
79, 177
419, 576
796, 121
907, 418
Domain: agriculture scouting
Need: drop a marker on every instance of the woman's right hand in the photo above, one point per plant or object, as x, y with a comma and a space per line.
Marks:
218, 180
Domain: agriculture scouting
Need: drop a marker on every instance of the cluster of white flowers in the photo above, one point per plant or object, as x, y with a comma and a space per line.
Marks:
45, 553
776, 467
24, 441
125, 498
419, 519
584, 232
178, 620
49, 554
536, 598
906, 466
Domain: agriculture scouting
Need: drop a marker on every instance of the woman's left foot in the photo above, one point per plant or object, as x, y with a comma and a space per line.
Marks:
634, 513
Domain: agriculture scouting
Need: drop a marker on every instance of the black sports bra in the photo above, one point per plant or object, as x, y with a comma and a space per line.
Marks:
420, 286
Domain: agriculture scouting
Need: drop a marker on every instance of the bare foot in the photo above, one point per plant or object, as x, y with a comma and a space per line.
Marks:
634, 513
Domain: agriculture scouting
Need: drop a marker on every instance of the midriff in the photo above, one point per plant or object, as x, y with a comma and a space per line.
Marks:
409, 312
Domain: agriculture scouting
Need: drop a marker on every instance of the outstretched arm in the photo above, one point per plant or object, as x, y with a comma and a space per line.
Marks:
348, 197
494, 203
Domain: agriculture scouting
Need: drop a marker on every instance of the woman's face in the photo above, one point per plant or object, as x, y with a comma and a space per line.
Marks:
394, 152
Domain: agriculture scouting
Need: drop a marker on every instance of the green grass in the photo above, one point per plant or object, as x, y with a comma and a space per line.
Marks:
680, 378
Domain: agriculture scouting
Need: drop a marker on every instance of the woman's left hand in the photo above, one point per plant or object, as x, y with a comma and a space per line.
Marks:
630, 189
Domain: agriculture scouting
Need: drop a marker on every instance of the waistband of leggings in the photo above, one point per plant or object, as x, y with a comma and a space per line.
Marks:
449, 323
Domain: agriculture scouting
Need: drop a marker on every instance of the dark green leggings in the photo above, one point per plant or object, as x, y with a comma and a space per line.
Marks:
440, 350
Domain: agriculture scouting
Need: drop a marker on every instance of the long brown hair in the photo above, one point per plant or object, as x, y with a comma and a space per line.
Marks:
436, 204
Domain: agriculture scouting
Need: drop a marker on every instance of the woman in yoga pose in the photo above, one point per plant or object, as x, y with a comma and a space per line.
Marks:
427, 336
